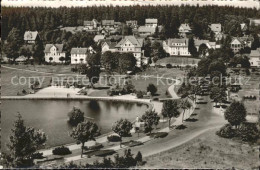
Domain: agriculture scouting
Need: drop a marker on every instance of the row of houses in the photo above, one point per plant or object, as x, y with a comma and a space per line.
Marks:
179, 47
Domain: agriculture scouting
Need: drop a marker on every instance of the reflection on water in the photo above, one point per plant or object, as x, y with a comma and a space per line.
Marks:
52, 116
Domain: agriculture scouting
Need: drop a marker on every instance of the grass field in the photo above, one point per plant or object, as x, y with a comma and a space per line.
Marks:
178, 61
140, 83
207, 151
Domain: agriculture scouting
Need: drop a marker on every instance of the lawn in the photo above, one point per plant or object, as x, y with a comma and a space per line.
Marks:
178, 61
11, 89
140, 82
207, 151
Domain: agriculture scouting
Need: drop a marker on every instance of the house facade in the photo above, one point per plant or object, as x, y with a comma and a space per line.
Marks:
177, 47
79, 55
128, 44
91, 25
53, 53
184, 29
145, 31
132, 23
151, 22
217, 30
30, 37
255, 58
238, 43
108, 46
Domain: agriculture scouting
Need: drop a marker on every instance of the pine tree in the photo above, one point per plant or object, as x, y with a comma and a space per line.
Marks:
24, 142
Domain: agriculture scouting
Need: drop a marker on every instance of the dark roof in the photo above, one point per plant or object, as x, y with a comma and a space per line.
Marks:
133, 40
108, 22
79, 51
111, 45
58, 46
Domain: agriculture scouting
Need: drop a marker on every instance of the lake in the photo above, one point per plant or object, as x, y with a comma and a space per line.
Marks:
52, 116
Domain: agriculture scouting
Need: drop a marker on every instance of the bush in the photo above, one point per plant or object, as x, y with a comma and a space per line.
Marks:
248, 132
139, 94
61, 151
94, 147
168, 66
152, 88
114, 138
227, 131
159, 134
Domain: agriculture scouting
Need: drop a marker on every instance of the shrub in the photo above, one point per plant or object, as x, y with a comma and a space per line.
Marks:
139, 157
76, 116
139, 94
168, 66
226, 131
248, 132
114, 138
94, 147
152, 88
159, 134
61, 151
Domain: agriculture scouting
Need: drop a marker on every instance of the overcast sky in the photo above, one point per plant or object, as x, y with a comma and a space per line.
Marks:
70, 3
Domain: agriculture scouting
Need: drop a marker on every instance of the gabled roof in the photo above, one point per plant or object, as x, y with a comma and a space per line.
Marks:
215, 27
255, 53
136, 42
243, 26
110, 44
30, 35
186, 27
172, 41
98, 37
79, 51
133, 22
118, 23
108, 22
58, 46
21, 58
146, 29
151, 20
242, 40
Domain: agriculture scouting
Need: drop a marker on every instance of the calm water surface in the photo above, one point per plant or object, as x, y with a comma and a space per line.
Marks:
52, 116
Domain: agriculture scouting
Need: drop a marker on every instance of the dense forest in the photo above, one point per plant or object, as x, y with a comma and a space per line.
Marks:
42, 19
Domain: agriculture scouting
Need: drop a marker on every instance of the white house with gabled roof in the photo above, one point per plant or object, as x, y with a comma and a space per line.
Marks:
53, 53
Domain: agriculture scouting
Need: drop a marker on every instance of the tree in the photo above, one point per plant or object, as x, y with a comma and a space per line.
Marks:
122, 127
203, 49
62, 59
255, 43
236, 113
25, 51
85, 131
38, 51
170, 109
76, 116
191, 47
109, 61
150, 118
24, 142
139, 157
152, 88
14, 43
126, 62
93, 73
50, 59
185, 105
218, 94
